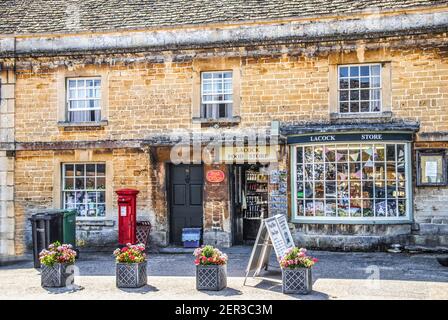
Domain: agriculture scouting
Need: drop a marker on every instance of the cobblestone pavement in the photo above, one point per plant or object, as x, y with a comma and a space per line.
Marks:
172, 276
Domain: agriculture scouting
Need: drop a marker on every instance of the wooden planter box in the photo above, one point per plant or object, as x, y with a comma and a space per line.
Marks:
131, 275
57, 276
297, 281
212, 277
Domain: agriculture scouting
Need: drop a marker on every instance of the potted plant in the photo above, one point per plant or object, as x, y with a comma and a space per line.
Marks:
211, 268
57, 265
131, 266
296, 271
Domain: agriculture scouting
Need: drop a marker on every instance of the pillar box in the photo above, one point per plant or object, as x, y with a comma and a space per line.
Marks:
127, 215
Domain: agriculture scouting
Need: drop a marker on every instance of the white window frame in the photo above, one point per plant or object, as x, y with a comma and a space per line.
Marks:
352, 220
65, 190
215, 111
370, 88
85, 99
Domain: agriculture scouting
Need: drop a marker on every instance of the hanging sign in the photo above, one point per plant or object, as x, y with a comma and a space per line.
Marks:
273, 233
215, 176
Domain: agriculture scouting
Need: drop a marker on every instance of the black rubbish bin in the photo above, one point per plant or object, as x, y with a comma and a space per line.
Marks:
46, 229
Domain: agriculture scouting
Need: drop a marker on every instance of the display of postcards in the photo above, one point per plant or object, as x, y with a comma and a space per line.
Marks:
299, 155
319, 189
391, 208
283, 188
319, 208
274, 175
309, 154
300, 208
309, 208
330, 171
308, 172
330, 208
380, 207
319, 173
330, 189
318, 154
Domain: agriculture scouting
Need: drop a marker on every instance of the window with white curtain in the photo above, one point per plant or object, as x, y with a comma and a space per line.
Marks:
83, 99
216, 94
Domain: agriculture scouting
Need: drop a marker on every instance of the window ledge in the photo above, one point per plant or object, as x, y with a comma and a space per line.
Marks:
99, 222
93, 124
376, 115
232, 120
235, 119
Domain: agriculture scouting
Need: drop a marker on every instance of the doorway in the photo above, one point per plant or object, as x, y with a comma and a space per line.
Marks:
249, 190
186, 197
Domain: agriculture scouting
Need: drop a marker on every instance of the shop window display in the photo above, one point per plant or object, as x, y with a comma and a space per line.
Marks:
351, 180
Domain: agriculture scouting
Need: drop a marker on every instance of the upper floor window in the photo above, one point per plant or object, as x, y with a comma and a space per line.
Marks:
359, 88
216, 94
83, 99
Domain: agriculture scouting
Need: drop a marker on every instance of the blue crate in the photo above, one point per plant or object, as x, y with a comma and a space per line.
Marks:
191, 237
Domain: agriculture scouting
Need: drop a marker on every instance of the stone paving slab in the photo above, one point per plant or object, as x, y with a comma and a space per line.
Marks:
171, 276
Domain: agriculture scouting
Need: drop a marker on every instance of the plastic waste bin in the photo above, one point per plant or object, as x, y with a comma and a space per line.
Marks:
191, 237
69, 227
46, 229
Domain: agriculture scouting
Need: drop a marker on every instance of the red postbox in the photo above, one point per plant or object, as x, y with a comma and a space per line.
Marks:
127, 215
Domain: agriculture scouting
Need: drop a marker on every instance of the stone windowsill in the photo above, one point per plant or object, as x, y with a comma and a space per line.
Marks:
232, 120
376, 115
94, 222
95, 124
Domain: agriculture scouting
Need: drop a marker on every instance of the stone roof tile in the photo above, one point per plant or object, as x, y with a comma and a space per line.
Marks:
59, 16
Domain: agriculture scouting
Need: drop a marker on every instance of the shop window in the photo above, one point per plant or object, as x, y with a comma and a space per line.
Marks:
83, 100
84, 188
216, 94
431, 168
359, 88
351, 181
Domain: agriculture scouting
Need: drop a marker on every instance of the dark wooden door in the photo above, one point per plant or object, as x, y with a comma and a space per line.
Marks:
186, 192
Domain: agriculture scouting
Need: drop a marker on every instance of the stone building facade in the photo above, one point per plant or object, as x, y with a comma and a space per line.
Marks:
287, 68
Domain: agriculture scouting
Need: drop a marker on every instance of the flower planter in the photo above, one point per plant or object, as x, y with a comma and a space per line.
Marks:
297, 281
211, 277
131, 275
57, 275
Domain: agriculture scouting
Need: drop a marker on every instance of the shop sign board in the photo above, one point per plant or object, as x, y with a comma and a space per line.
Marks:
234, 154
345, 137
273, 233
215, 176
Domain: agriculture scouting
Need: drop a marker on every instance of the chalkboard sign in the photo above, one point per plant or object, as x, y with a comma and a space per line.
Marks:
273, 232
